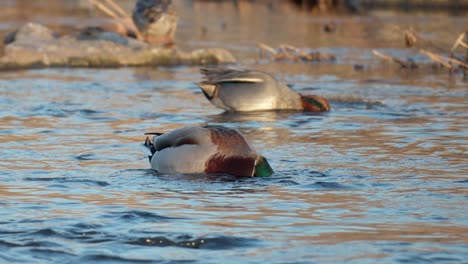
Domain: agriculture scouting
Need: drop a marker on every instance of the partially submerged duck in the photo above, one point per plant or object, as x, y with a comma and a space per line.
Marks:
208, 149
247, 90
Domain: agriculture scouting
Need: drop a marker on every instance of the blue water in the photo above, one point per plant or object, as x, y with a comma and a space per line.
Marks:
382, 178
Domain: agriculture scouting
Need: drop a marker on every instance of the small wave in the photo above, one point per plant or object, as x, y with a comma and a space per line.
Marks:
287, 182
353, 99
198, 177
85, 157
7, 244
125, 131
152, 115
110, 259
430, 259
291, 173
320, 174
64, 110
461, 181
68, 180
86, 226
46, 232
83, 234
322, 185
48, 110
87, 233
36, 244
50, 253
186, 241
26, 220
139, 215
88, 111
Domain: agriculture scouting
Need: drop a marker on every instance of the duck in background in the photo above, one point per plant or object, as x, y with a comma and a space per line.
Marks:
207, 149
152, 21
156, 21
246, 90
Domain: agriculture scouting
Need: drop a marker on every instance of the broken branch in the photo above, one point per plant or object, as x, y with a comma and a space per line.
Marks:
118, 9
443, 60
403, 64
104, 9
267, 48
459, 42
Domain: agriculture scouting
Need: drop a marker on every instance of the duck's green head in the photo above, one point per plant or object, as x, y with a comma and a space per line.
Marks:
262, 167
315, 103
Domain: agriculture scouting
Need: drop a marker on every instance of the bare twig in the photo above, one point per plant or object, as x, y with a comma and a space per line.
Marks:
119, 15
455, 61
403, 64
443, 60
267, 48
383, 56
289, 52
290, 48
118, 9
278, 54
126, 17
436, 58
104, 9
459, 42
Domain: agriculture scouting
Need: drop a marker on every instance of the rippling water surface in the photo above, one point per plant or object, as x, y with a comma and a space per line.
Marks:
382, 178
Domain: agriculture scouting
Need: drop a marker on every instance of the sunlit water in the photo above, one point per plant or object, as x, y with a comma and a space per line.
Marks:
382, 178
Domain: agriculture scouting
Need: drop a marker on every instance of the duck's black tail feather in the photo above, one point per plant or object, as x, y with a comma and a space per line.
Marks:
149, 144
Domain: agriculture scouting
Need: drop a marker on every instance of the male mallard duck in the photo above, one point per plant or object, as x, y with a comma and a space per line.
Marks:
208, 149
246, 90
156, 20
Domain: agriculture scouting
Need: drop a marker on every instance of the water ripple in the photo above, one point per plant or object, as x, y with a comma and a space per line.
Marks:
68, 180
185, 241
322, 185
103, 258
139, 215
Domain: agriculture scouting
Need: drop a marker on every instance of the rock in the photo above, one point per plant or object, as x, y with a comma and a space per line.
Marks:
35, 45
30, 32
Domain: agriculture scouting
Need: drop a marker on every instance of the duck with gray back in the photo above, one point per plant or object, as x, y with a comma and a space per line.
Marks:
246, 90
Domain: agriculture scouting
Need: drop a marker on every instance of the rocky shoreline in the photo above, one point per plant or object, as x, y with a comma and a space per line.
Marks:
36, 46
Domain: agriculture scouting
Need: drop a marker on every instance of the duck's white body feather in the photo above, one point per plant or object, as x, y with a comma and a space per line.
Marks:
184, 150
183, 159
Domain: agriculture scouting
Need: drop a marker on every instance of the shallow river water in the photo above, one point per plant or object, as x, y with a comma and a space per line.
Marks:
382, 178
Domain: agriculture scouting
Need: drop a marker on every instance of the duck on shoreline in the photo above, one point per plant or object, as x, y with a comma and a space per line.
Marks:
156, 20
152, 21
